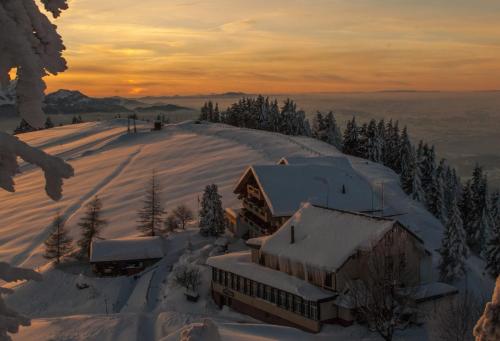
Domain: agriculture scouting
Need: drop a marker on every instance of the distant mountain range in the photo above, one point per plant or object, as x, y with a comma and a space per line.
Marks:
73, 102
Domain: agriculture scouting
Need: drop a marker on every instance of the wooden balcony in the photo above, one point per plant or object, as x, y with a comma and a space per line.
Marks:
255, 209
254, 192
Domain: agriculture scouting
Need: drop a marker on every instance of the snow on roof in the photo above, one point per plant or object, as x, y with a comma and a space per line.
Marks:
287, 187
126, 249
340, 162
434, 290
256, 242
240, 263
328, 237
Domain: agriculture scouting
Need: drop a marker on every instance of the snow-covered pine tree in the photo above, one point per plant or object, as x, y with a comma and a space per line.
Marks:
58, 243
454, 250
493, 249
351, 138
23, 127
381, 135
480, 221
48, 123
204, 112
451, 188
150, 216
373, 145
216, 113
466, 208
418, 193
435, 198
91, 224
212, 221
332, 133
408, 163
395, 148
318, 128
488, 326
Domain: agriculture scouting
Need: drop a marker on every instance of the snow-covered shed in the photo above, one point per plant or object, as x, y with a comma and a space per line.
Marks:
125, 256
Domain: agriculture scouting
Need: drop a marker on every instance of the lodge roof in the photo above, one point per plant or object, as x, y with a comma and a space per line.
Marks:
286, 187
325, 238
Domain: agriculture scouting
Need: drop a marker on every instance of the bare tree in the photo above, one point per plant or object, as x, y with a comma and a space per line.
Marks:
171, 223
188, 276
383, 295
183, 214
454, 321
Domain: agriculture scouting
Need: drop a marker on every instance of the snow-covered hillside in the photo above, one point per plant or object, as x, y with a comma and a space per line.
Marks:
116, 166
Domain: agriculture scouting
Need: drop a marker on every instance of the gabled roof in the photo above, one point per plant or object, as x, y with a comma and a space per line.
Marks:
326, 238
285, 188
126, 249
240, 263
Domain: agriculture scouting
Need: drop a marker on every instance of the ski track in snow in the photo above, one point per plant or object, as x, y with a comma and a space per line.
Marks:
22, 257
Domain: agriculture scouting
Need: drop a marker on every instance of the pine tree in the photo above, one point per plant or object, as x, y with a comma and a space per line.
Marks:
454, 250
418, 193
480, 220
58, 243
91, 224
465, 206
493, 249
435, 197
351, 138
151, 214
48, 123
24, 127
408, 163
211, 213
332, 131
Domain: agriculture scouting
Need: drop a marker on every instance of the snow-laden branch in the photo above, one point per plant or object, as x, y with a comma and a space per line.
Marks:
30, 43
488, 326
10, 320
54, 168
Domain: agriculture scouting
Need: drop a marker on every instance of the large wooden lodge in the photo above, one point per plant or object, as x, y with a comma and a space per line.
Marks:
299, 276
271, 194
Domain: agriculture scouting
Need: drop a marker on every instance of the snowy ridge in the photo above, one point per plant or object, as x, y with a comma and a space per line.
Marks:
187, 156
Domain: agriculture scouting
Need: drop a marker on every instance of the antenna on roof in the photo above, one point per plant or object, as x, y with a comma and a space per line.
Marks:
292, 234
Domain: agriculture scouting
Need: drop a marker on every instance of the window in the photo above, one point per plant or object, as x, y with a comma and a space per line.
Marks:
226, 275
282, 299
273, 295
259, 290
233, 281
237, 282
246, 286
298, 305
289, 303
307, 310
402, 261
314, 311
328, 279
214, 274
253, 289
389, 266
221, 276
267, 293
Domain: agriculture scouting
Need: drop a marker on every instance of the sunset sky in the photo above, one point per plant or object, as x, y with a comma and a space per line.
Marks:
154, 47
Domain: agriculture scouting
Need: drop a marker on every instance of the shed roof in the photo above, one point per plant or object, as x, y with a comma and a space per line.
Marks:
126, 249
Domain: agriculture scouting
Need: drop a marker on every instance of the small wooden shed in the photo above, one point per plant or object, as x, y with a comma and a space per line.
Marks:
125, 256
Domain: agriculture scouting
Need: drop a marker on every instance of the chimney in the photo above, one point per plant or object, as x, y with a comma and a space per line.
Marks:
292, 234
